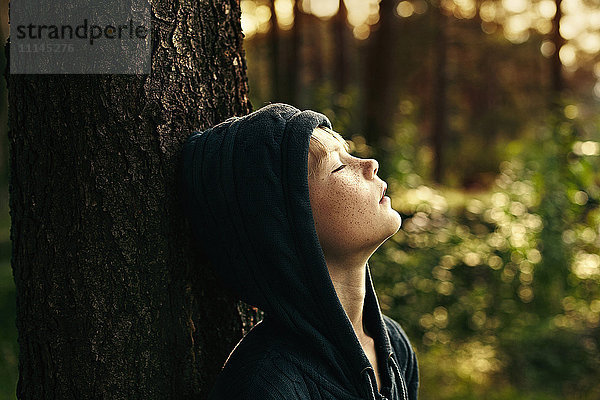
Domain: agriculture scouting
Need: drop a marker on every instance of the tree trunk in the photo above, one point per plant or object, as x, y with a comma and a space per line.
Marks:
315, 50
294, 59
440, 83
274, 42
381, 96
556, 64
113, 298
558, 41
340, 28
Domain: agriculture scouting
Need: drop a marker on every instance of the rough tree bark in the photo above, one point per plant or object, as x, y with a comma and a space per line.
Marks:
112, 298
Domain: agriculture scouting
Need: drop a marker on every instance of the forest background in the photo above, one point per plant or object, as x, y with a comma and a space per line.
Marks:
484, 116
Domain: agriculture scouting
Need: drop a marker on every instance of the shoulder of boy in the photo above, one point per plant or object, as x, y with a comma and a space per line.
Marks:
270, 378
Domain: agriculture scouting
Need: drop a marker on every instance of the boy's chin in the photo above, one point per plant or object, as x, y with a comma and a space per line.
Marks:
394, 227
397, 221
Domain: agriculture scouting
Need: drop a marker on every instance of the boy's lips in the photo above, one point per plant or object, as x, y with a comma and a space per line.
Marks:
383, 189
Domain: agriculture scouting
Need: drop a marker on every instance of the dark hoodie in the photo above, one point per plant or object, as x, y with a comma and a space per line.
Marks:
245, 188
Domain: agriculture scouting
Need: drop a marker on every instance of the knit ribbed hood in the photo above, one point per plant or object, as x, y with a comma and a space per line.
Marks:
245, 188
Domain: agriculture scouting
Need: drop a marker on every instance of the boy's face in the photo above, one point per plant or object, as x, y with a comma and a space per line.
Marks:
346, 196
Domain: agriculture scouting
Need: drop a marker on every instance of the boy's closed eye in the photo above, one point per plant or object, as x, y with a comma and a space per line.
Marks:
338, 168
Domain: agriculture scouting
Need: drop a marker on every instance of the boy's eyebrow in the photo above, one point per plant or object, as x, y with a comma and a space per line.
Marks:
337, 148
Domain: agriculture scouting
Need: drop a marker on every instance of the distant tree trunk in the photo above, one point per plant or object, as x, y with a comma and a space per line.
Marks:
3, 130
551, 277
316, 49
340, 32
294, 60
274, 42
556, 66
380, 96
114, 300
440, 83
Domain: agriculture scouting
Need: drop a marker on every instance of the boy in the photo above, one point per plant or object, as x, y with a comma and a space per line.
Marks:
289, 220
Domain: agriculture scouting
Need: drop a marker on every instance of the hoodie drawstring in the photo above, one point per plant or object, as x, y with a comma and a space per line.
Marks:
396, 371
368, 376
398, 376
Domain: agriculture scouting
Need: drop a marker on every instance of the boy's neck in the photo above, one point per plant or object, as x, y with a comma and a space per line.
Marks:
349, 282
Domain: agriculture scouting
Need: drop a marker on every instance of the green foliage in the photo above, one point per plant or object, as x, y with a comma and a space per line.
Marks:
8, 332
499, 290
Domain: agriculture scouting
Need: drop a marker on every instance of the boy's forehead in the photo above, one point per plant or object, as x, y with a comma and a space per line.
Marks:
332, 145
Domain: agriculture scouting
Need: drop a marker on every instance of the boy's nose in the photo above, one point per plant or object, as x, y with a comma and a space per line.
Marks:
372, 166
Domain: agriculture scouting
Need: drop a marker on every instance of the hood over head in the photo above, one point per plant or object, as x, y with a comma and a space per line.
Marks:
245, 189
